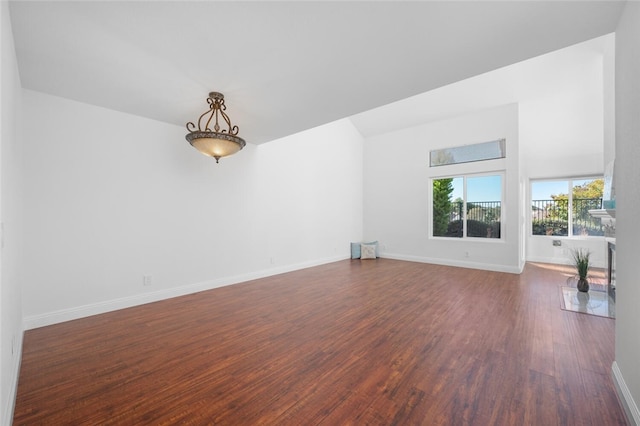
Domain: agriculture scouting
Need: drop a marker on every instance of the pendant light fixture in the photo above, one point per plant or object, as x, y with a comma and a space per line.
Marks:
219, 142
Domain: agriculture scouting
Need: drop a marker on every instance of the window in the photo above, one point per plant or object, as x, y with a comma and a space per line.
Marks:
467, 206
468, 153
561, 207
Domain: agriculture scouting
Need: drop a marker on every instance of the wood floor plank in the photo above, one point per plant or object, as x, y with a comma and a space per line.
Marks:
377, 342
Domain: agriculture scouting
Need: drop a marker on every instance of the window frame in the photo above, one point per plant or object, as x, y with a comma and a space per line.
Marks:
465, 176
570, 185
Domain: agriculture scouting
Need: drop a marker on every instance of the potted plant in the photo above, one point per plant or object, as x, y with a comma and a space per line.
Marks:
581, 262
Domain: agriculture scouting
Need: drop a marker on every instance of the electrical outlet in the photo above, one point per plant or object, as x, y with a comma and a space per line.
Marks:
466, 254
147, 280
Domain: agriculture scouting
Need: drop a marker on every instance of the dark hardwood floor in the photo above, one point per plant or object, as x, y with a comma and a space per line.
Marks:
378, 342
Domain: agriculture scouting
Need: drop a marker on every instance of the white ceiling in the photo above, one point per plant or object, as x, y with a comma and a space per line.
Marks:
284, 67
575, 70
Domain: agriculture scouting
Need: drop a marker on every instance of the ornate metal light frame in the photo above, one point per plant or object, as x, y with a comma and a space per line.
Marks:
219, 142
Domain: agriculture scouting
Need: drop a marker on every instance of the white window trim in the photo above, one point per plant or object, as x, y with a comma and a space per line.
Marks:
569, 181
503, 205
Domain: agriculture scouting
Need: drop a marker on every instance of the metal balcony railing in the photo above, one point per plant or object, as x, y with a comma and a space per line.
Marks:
551, 217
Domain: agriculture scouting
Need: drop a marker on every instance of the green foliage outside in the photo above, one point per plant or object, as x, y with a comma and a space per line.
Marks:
483, 213
475, 228
584, 198
442, 189
590, 190
483, 218
593, 189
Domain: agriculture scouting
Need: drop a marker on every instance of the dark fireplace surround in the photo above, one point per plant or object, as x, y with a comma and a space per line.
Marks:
611, 269
608, 220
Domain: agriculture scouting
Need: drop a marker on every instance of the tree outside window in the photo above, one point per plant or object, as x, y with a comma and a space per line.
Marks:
442, 189
467, 206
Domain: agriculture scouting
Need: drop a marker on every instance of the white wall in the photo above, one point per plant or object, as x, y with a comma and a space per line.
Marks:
110, 197
563, 128
397, 191
310, 194
574, 120
11, 219
627, 365
609, 99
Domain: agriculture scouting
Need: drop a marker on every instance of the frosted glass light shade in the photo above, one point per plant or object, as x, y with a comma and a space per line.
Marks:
216, 145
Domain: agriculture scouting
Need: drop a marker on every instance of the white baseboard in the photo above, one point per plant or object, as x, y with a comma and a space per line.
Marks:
10, 402
629, 405
558, 261
63, 315
458, 263
552, 260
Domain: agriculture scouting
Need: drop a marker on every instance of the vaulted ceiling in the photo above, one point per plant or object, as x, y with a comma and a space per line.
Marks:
284, 67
